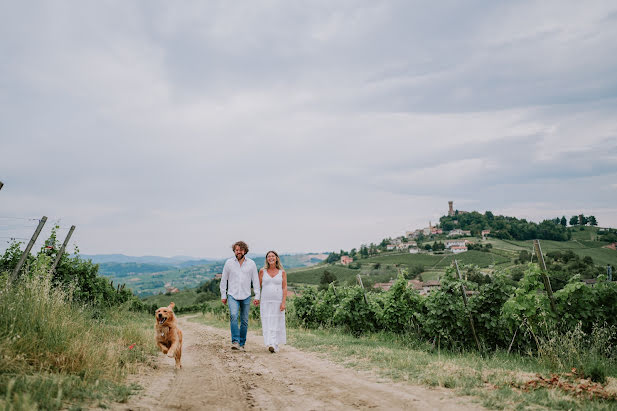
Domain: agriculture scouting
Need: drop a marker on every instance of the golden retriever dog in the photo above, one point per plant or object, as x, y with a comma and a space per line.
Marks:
168, 335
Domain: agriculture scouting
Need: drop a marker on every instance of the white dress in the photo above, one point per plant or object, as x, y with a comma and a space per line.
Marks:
272, 318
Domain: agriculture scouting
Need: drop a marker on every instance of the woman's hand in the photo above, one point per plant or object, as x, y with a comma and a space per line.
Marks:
283, 306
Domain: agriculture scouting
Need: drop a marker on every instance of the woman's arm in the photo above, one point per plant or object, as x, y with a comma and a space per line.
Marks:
284, 291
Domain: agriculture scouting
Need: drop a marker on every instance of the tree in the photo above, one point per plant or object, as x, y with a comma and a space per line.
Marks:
563, 221
574, 220
593, 221
326, 278
363, 251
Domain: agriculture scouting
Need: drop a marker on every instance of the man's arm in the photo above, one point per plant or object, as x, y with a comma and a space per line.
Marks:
256, 286
223, 285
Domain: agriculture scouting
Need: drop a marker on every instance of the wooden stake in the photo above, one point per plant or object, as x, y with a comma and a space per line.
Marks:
515, 331
1, 184
362, 285
59, 255
543, 270
28, 247
473, 328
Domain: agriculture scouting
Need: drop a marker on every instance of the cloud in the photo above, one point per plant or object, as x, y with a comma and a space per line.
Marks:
159, 129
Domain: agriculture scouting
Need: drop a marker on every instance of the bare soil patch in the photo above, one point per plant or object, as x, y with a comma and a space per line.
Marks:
214, 377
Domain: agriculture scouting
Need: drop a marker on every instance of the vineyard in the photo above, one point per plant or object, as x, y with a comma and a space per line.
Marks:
513, 317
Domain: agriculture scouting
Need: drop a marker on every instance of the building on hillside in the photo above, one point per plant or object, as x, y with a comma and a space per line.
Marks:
429, 286
169, 289
345, 259
414, 250
612, 246
460, 242
458, 231
402, 246
458, 249
412, 243
416, 284
384, 286
218, 276
390, 247
452, 212
485, 233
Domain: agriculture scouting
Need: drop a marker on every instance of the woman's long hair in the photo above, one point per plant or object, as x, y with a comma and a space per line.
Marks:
278, 260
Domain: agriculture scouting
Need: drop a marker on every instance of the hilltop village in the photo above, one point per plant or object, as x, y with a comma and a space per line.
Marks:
450, 241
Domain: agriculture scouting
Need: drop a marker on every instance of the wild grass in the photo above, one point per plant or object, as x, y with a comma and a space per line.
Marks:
56, 353
496, 380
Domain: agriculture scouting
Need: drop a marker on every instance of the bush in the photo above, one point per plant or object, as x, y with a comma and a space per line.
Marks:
55, 349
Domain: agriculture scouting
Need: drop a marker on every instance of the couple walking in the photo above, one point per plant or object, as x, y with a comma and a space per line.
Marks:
270, 285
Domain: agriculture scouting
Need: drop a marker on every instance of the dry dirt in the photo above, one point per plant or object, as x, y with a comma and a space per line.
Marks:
214, 377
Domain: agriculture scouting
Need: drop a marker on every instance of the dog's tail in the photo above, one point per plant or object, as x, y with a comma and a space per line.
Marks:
171, 305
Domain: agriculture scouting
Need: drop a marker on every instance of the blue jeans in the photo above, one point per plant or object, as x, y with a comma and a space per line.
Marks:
243, 306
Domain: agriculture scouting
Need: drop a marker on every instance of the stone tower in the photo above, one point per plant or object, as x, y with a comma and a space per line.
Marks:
450, 208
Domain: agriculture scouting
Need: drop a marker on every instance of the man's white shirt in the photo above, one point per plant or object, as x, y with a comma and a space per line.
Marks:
236, 279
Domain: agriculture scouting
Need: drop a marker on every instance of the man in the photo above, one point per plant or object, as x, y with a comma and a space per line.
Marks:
236, 280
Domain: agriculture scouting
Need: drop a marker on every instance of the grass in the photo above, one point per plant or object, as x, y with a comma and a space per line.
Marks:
494, 380
58, 354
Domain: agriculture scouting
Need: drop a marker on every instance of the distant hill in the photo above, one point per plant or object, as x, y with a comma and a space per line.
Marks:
588, 252
176, 261
151, 275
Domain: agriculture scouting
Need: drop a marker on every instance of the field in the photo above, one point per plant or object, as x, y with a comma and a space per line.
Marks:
502, 255
390, 264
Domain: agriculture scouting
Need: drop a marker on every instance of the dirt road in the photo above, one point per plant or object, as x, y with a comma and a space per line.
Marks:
214, 377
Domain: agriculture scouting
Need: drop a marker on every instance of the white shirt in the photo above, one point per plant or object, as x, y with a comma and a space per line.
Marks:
239, 278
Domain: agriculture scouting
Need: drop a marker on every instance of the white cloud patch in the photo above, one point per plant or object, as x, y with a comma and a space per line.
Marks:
160, 129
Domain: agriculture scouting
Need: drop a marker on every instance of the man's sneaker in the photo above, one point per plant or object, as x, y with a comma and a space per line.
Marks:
235, 345
242, 348
276, 348
271, 349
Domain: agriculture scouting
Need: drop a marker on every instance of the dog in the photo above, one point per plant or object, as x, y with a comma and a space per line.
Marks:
168, 336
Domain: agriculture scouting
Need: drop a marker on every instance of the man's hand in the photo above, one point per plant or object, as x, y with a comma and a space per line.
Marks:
224, 301
255, 303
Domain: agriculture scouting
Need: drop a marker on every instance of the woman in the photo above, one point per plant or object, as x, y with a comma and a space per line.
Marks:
273, 282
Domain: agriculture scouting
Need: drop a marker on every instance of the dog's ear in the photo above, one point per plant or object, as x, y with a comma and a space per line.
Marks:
171, 305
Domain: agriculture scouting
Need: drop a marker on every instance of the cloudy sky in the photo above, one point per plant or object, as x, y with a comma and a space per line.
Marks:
176, 128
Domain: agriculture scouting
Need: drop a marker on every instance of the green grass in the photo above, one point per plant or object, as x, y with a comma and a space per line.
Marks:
492, 379
57, 354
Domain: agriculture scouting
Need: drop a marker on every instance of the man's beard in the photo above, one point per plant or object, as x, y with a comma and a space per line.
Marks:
239, 256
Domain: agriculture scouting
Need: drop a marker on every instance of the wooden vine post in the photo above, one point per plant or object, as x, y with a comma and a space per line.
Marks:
543, 270
61, 251
28, 248
464, 292
362, 285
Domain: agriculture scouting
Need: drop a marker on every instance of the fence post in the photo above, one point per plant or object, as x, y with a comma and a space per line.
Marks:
473, 328
542, 264
362, 285
334, 288
1, 184
59, 255
29, 247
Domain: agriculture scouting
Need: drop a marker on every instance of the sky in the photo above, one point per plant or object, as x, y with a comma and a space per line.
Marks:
177, 128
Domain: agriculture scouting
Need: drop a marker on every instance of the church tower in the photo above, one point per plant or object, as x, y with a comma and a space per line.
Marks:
450, 208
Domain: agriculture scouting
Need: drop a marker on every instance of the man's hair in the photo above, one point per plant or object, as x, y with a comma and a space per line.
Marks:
242, 246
